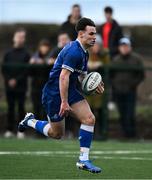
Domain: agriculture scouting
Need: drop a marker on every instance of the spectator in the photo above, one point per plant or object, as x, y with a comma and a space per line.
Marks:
63, 39
98, 58
111, 33
39, 75
125, 82
15, 77
69, 25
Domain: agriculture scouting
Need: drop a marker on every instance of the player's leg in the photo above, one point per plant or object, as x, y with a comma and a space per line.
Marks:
52, 128
11, 98
56, 129
47, 128
82, 111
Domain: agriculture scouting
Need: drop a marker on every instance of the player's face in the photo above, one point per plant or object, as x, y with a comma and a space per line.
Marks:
89, 36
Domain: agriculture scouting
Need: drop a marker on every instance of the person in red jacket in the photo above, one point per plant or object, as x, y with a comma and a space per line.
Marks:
110, 32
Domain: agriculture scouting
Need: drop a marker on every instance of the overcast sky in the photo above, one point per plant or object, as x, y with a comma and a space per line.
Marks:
56, 11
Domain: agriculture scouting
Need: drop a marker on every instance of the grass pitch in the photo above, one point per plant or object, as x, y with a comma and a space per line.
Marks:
49, 159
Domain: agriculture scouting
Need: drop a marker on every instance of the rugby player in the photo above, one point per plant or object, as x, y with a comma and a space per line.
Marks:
61, 97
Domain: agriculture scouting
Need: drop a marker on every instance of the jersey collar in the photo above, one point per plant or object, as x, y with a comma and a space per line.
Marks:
81, 46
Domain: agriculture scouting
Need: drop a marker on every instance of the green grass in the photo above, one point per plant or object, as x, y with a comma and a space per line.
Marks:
62, 166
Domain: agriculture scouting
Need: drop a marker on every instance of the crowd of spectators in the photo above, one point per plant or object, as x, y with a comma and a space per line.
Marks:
111, 48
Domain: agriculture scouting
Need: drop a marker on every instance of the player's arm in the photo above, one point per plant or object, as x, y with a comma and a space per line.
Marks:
64, 86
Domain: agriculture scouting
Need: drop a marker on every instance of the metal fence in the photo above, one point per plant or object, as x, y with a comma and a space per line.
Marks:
41, 72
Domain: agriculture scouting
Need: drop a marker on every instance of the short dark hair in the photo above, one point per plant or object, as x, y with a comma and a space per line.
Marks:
82, 23
108, 9
76, 6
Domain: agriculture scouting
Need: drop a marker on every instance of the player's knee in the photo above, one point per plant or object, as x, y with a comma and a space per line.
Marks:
90, 120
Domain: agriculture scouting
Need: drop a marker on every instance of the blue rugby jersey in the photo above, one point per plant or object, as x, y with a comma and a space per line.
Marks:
72, 57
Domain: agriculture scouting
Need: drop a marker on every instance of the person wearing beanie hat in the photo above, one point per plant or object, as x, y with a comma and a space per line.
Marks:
125, 40
125, 83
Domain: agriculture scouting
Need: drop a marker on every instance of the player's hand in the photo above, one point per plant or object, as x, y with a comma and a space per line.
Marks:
12, 83
64, 109
100, 88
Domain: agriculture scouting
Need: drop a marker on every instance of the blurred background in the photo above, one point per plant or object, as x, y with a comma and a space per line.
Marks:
32, 33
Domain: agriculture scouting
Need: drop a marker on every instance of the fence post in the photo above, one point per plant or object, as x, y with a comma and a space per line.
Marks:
104, 108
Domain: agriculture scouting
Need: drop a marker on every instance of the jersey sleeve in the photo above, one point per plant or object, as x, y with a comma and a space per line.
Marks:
70, 62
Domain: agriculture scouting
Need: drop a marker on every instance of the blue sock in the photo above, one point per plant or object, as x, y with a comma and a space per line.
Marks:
85, 138
41, 126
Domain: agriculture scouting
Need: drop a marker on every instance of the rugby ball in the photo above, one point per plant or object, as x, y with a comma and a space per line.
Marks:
91, 82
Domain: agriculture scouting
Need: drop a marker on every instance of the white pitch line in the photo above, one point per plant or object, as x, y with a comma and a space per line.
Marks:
115, 158
74, 152
127, 158
123, 152
94, 154
72, 155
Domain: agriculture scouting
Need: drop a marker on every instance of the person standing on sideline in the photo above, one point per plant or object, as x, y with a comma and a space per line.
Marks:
110, 32
69, 25
63, 39
15, 78
98, 58
125, 78
39, 75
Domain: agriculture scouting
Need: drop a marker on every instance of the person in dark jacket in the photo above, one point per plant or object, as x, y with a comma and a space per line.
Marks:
63, 39
111, 33
15, 78
69, 25
125, 81
39, 75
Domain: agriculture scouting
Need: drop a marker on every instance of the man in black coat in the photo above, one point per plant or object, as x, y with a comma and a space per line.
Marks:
110, 32
15, 78
69, 26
